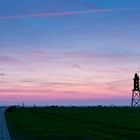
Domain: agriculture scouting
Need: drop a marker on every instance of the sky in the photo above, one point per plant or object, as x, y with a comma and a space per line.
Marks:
68, 52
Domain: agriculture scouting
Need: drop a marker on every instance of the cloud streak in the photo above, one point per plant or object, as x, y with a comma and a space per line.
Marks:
67, 13
2, 74
8, 60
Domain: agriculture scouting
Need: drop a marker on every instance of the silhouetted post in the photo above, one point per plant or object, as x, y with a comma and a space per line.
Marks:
135, 92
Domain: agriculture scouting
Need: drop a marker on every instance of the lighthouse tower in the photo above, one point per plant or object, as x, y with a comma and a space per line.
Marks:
135, 102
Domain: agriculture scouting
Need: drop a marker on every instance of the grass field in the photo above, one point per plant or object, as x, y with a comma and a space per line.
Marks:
74, 123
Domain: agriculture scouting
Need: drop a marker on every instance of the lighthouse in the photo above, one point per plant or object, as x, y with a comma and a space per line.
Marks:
135, 102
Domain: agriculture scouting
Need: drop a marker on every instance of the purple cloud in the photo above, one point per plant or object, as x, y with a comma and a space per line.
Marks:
2, 74
8, 60
76, 66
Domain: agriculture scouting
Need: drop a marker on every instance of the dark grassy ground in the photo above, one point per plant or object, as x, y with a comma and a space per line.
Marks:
74, 123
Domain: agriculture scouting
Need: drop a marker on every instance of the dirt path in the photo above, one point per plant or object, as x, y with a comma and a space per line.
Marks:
4, 134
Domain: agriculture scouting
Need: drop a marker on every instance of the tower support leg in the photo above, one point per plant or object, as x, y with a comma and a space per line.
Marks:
135, 102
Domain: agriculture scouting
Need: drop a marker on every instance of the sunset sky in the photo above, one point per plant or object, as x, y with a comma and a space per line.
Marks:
68, 52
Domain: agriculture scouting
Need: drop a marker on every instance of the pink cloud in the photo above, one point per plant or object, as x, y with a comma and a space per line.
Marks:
73, 54
79, 91
65, 13
67, 95
8, 60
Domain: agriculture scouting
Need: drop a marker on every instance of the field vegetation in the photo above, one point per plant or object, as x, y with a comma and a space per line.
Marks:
74, 123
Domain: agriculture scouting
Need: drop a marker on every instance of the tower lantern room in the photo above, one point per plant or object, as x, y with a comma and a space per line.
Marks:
136, 82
